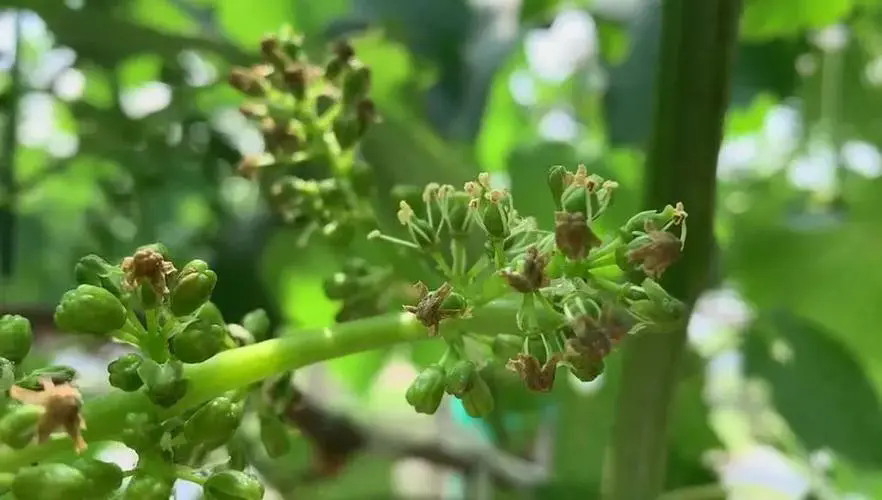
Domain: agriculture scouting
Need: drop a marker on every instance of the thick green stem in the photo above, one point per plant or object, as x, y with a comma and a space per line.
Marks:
697, 46
241, 367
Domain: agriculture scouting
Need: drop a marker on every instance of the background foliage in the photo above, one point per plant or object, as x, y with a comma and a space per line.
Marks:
127, 134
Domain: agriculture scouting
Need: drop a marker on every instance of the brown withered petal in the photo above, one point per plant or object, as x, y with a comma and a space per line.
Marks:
590, 340
658, 254
572, 235
148, 266
533, 276
62, 404
428, 310
536, 377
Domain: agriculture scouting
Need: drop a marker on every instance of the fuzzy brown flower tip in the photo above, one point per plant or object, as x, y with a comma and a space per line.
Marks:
62, 404
150, 267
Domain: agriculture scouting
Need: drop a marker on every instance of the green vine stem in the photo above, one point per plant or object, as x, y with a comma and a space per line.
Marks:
692, 94
244, 366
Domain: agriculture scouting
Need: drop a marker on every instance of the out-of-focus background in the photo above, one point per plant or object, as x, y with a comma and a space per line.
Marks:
117, 128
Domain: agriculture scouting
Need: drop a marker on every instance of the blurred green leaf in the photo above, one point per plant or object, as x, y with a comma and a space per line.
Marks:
773, 18
817, 385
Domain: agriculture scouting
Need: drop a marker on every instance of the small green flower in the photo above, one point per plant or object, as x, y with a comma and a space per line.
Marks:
214, 423
19, 425
90, 309
16, 337
427, 390
93, 270
50, 481
123, 372
232, 485
104, 478
461, 377
144, 486
193, 287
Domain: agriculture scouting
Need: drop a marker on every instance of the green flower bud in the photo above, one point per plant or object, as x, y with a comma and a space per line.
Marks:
148, 487
556, 183
494, 218
90, 269
574, 199
214, 423
93, 270
165, 383
232, 485
123, 372
50, 481
7, 374
356, 83
478, 402
461, 377
18, 425
347, 131
506, 346
238, 451
141, 432
196, 341
258, 323
427, 390
59, 374
90, 309
210, 314
103, 477
16, 337
193, 288
274, 436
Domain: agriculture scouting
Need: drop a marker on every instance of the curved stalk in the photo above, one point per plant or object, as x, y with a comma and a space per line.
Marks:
241, 367
692, 94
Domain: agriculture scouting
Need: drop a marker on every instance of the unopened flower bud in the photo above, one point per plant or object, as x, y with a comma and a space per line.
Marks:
103, 477
16, 337
214, 423
196, 341
90, 309
232, 485
494, 216
193, 287
146, 486
556, 183
461, 377
427, 390
50, 481
123, 372
19, 425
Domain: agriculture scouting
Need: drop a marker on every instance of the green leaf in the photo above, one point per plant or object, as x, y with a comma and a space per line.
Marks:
817, 385
774, 18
